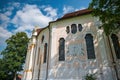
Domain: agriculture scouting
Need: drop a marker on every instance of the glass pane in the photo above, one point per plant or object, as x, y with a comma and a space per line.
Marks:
61, 49
73, 28
67, 29
45, 52
42, 39
116, 45
90, 46
80, 27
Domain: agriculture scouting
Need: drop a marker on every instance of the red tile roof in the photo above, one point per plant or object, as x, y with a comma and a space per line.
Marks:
68, 15
76, 13
39, 30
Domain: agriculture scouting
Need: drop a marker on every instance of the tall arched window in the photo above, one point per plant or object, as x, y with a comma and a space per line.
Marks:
116, 45
90, 46
61, 49
73, 28
45, 52
42, 39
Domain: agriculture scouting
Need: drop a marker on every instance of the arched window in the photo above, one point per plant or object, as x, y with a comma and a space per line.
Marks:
73, 28
80, 27
116, 45
42, 39
90, 46
61, 49
67, 29
45, 52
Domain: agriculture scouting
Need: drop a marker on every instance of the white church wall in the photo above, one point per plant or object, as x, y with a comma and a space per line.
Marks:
29, 58
40, 66
76, 64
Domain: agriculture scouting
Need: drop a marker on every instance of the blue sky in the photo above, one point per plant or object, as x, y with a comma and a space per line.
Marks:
23, 15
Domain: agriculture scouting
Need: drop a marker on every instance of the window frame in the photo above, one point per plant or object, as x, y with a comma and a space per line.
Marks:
80, 27
90, 46
42, 39
73, 28
45, 53
68, 29
61, 49
116, 46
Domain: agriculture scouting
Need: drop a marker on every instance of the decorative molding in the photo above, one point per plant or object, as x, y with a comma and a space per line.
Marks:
29, 70
31, 46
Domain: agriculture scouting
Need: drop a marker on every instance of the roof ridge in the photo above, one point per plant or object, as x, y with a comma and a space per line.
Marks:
76, 13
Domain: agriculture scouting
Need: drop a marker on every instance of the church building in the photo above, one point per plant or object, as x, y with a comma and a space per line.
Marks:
72, 47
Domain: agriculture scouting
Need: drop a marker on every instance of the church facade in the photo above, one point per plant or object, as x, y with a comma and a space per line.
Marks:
72, 47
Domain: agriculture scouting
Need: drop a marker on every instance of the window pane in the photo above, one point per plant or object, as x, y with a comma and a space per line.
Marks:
45, 52
80, 27
116, 45
90, 46
73, 28
61, 49
42, 39
67, 29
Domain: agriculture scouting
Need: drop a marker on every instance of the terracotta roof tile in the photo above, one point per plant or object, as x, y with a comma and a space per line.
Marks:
69, 15
76, 13
39, 30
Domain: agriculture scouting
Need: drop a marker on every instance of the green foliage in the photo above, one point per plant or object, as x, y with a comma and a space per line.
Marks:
90, 77
108, 12
13, 56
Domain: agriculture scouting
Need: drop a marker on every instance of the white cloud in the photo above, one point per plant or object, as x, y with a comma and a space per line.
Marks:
51, 12
26, 27
25, 19
8, 10
80, 8
67, 9
15, 4
8, 13
4, 34
4, 20
5, 14
31, 16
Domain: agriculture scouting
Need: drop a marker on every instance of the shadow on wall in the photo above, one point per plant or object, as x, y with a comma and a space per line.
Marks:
76, 64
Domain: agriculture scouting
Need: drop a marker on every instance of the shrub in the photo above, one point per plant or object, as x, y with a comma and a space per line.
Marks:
90, 77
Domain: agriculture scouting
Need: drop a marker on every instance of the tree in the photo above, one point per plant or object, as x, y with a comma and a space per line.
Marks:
108, 12
14, 55
2, 70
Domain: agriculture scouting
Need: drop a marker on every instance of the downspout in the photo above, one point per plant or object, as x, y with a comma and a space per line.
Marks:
114, 63
48, 54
